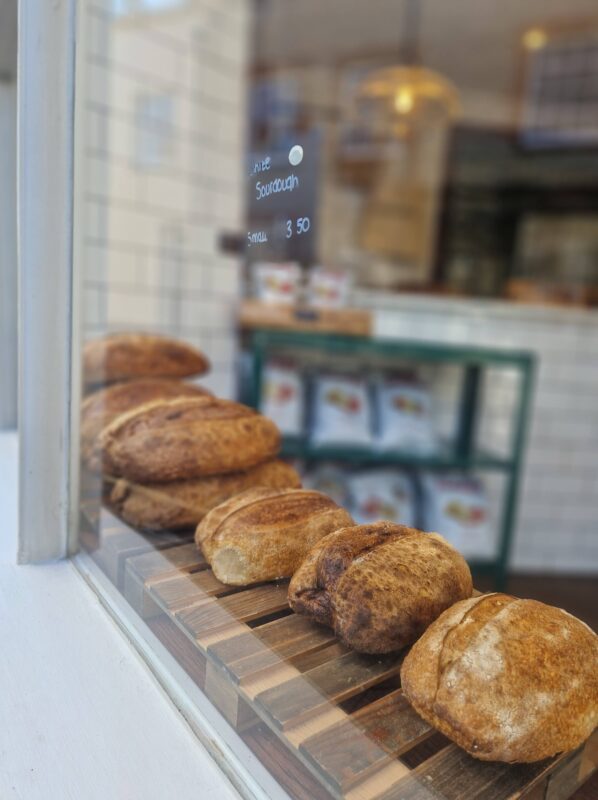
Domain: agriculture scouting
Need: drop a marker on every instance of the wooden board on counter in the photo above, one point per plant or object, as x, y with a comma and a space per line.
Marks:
340, 714
253, 314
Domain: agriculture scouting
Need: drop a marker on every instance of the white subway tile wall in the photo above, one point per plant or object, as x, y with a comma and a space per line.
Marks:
557, 526
160, 171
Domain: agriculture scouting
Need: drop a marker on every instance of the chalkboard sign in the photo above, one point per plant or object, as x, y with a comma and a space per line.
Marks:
282, 194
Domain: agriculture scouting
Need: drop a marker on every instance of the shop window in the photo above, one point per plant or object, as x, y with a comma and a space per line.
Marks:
317, 168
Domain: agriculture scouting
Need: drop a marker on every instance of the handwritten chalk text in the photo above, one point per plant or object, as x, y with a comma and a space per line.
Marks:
288, 184
259, 237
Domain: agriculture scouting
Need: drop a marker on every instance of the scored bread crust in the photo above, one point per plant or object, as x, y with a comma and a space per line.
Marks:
182, 504
263, 534
380, 585
185, 438
103, 406
506, 679
127, 356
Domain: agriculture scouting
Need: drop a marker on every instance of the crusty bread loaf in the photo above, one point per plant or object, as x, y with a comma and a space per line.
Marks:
169, 440
263, 534
182, 504
506, 679
126, 356
380, 585
102, 407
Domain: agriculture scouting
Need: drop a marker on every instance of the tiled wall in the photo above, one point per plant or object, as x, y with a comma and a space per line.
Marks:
557, 528
161, 114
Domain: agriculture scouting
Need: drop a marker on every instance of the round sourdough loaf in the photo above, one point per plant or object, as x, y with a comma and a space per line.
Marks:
182, 504
185, 438
126, 356
263, 534
506, 679
102, 407
380, 585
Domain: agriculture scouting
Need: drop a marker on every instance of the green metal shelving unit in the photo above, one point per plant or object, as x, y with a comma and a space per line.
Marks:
463, 455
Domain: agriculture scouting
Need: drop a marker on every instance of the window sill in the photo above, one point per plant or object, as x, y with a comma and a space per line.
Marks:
87, 718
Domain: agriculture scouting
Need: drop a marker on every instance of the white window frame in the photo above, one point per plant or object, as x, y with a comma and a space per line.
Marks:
49, 369
49, 383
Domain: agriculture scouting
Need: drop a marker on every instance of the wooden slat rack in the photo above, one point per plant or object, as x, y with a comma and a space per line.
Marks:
340, 714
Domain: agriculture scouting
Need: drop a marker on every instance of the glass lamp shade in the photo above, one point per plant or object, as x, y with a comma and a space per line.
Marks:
399, 98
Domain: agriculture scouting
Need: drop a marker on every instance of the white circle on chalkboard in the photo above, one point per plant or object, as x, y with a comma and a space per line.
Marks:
296, 155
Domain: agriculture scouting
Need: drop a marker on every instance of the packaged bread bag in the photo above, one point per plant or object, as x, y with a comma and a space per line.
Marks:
330, 479
341, 411
456, 507
328, 288
404, 416
382, 494
277, 283
282, 396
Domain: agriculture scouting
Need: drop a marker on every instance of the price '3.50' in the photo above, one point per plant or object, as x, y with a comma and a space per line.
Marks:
302, 225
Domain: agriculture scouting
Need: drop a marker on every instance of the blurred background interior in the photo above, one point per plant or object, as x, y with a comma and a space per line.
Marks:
447, 194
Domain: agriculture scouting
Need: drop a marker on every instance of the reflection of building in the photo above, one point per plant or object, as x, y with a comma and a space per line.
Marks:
162, 137
446, 219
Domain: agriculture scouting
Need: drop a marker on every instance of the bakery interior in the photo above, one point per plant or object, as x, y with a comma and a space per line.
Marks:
452, 223
377, 225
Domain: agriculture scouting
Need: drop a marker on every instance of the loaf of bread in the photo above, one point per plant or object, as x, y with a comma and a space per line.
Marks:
379, 586
185, 438
182, 504
102, 407
506, 679
263, 534
127, 356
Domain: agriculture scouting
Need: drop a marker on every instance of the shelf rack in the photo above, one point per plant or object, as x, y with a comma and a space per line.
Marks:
463, 455
329, 723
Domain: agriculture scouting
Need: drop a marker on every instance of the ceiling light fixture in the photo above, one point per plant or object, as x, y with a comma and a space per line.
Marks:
401, 92
535, 39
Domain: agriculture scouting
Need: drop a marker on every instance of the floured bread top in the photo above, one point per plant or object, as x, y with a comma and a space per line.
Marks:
508, 679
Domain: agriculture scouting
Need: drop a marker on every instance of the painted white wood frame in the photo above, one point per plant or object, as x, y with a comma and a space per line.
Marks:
8, 253
48, 375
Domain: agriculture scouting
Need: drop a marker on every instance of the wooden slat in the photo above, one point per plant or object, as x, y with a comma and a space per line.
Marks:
294, 674
222, 694
374, 785
574, 770
242, 607
174, 559
371, 737
334, 681
254, 655
452, 774
114, 547
182, 591
306, 662
290, 635
589, 759
155, 566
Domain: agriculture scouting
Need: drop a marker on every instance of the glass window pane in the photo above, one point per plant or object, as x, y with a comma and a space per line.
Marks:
323, 247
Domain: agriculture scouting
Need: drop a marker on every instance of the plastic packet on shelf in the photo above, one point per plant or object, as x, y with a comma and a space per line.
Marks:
276, 283
328, 288
341, 411
382, 494
404, 416
283, 397
329, 479
456, 507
